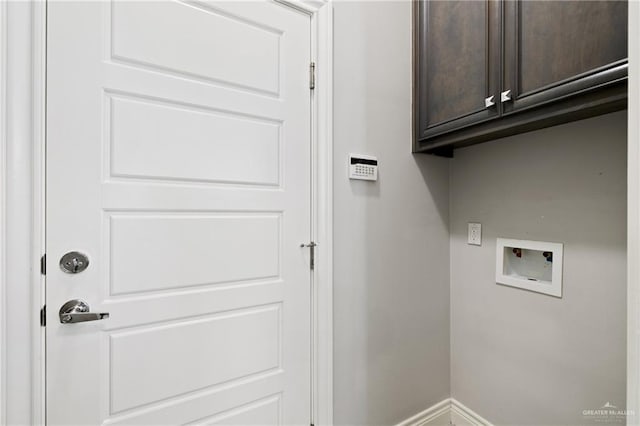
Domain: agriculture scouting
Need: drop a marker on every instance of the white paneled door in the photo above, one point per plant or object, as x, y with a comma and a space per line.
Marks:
178, 163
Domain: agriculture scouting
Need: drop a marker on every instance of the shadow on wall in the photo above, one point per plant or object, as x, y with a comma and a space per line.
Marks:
364, 189
391, 256
430, 167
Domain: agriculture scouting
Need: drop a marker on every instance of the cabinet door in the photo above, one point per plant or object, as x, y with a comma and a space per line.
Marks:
556, 49
457, 65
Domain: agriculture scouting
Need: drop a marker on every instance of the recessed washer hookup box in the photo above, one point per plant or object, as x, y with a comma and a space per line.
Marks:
530, 265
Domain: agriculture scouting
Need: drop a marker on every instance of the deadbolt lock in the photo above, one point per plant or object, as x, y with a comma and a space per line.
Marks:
74, 262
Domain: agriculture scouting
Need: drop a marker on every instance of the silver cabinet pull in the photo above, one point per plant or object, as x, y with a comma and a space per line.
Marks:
78, 311
505, 96
489, 102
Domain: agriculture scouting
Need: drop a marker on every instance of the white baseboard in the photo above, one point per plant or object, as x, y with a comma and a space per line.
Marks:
438, 414
446, 413
461, 415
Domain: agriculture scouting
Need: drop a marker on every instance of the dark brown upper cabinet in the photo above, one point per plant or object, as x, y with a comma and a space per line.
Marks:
489, 69
458, 41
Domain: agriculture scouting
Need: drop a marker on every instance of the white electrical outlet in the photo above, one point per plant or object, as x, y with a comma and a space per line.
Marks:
475, 234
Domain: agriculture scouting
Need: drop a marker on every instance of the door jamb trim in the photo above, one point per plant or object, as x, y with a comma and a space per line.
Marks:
22, 73
321, 14
633, 219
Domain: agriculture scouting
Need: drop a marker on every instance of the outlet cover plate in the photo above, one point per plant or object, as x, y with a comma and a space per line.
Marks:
475, 234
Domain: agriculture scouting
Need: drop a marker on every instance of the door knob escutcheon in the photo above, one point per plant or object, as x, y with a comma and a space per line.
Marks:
74, 262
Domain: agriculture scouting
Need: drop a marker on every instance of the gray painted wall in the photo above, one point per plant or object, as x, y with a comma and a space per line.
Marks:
525, 358
391, 278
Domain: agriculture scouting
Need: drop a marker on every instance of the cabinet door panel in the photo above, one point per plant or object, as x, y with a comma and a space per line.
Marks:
555, 49
457, 64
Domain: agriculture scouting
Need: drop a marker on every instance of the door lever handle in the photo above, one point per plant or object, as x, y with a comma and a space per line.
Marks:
83, 317
78, 311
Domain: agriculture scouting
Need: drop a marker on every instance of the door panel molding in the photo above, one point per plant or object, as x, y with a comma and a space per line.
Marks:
22, 150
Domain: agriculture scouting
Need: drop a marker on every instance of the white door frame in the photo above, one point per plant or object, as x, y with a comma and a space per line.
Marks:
633, 218
22, 208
